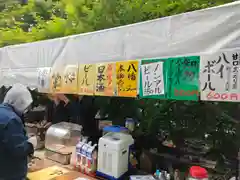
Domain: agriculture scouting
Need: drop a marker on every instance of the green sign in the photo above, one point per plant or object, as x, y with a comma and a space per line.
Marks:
183, 76
153, 79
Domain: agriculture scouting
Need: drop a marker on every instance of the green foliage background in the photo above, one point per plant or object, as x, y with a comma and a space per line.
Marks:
40, 20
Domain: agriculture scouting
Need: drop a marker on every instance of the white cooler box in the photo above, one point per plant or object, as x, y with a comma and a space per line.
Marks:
113, 154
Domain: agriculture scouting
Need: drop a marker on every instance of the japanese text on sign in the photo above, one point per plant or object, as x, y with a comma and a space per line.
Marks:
111, 79
86, 79
184, 71
44, 79
70, 82
184, 78
127, 78
105, 79
152, 79
101, 78
220, 76
56, 82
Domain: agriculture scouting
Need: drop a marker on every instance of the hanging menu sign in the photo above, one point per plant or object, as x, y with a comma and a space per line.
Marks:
44, 79
70, 80
105, 81
127, 78
219, 76
86, 79
152, 79
56, 80
183, 78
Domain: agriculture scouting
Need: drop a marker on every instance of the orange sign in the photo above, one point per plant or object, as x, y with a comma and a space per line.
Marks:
127, 78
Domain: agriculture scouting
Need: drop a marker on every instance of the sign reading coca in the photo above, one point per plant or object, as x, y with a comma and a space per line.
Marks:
219, 76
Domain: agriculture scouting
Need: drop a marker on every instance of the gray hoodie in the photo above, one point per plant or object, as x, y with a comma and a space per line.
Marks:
19, 98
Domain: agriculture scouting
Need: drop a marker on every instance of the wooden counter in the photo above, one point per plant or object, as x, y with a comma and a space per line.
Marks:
73, 175
40, 163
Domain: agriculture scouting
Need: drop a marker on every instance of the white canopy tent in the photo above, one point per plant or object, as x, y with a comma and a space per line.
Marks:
199, 32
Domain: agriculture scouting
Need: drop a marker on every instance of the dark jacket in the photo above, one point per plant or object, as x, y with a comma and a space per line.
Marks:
14, 145
57, 113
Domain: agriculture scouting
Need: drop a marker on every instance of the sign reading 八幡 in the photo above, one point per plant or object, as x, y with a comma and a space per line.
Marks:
127, 78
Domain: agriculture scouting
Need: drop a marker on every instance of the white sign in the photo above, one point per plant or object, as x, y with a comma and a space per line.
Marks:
220, 76
44, 79
152, 79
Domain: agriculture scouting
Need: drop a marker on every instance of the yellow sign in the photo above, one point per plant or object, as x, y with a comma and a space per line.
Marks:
56, 80
70, 80
47, 173
127, 78
86, 79
105, 79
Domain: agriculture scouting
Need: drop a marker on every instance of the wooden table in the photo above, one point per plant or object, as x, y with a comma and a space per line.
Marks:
41, 163
73, 175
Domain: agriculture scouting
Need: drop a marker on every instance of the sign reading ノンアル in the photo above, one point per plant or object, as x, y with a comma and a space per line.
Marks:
153, 79
219, 76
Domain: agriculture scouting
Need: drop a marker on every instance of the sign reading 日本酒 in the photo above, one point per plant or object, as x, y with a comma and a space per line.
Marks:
86, 79
183, 78
105, 80
219, 76
70, 80
127, 78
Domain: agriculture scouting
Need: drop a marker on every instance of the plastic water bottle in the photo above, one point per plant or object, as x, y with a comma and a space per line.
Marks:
157, 174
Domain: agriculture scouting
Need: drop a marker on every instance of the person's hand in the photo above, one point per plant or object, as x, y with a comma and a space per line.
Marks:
46, 126
33, 140
44, 122
63, 98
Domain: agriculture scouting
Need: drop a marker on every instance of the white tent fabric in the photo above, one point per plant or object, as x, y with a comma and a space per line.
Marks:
199, 32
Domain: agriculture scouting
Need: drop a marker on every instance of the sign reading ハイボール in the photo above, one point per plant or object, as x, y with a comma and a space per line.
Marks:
219, 76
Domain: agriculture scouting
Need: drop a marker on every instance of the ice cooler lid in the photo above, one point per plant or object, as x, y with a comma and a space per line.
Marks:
114, 129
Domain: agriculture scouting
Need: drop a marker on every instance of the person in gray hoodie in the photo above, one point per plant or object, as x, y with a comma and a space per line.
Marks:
14, 144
